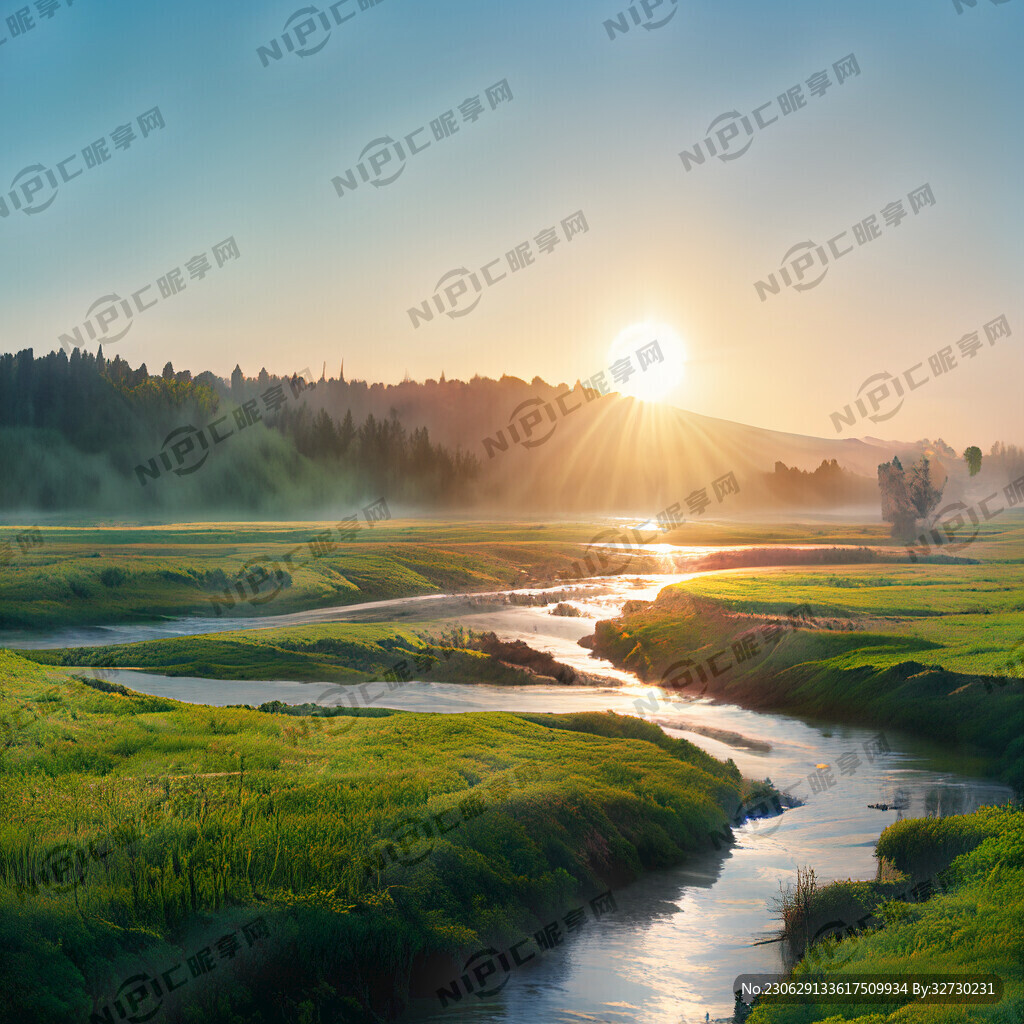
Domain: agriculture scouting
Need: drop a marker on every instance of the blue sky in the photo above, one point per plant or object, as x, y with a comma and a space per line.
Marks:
595, 124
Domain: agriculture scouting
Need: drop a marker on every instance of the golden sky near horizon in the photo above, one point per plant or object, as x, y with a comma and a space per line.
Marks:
570, 121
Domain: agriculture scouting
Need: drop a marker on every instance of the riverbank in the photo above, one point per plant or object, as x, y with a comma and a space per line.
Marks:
870, 660
948, 900
338, 653
444, 884
89, 576
306, 865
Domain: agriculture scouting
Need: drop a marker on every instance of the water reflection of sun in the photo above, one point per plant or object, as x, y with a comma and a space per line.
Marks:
656, 380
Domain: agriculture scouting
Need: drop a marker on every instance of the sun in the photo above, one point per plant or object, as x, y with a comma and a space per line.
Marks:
656, 380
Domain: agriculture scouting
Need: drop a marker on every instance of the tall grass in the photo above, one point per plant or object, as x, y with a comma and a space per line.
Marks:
131, 821
972, 926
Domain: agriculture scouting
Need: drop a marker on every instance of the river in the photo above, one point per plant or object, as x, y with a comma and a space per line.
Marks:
679, 938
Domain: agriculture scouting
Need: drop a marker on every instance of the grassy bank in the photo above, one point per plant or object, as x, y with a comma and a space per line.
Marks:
920, 648
137, 832
95, 575
335, 652
972, 924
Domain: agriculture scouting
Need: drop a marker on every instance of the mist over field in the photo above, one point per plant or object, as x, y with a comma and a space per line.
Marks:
511, 513
84, 435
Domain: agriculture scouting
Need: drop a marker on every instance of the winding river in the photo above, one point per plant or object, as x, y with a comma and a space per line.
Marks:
679, 938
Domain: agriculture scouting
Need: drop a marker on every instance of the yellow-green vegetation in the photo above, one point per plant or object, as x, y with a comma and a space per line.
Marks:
118, 573
133, 828
966, 617
973, 926
131, 574
929, 649
335, 652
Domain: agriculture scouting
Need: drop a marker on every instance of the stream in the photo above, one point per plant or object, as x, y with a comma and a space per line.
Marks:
679, 938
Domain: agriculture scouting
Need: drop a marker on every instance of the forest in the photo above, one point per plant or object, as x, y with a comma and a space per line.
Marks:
75, 428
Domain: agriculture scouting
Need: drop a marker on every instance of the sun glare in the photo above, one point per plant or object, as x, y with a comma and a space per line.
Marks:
655, 380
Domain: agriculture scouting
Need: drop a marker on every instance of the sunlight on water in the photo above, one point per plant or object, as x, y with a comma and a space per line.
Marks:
680, 937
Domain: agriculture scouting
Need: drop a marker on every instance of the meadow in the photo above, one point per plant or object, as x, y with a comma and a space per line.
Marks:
378, 846
136, 829
968, 618
332, 652
934, 650
94, 575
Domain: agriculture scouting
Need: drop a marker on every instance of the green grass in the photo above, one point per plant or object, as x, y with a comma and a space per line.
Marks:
974, 926
971, 615
168, 571
166, 567
214, 815
217, 814
334, 652
920, 648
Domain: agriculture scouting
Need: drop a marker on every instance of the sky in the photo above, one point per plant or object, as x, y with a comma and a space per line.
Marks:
592, 119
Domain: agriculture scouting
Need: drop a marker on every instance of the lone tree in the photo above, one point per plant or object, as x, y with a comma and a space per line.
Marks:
906, 500
924, 495
896, 506
972, 456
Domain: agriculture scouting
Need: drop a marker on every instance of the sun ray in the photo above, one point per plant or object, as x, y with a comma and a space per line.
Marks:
655, 380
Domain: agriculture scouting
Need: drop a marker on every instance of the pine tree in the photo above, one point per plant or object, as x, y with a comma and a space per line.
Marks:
924, 495
325, 437
346, 433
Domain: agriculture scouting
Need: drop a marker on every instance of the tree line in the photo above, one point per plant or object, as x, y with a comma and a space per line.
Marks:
74, 427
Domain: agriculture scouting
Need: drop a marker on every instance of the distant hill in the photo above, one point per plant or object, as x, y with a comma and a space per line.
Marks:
553, 447
86, 433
